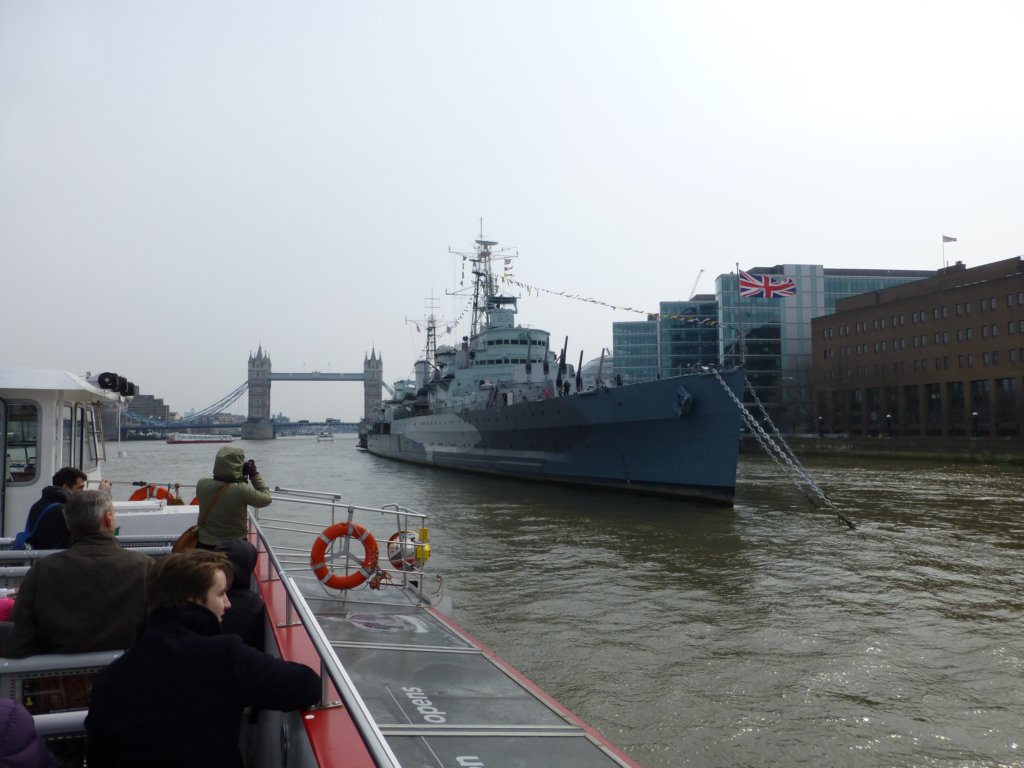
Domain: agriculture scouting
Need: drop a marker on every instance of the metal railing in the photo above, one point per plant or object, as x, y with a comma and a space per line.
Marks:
297, 608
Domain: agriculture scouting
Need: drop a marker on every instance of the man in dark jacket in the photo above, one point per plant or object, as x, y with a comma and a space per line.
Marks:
186, 679
91, 597
51, 532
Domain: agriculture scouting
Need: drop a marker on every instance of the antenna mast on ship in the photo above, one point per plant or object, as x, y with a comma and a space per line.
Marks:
483, 283
431, 351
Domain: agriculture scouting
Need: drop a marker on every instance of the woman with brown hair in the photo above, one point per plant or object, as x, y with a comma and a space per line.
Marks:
176, 698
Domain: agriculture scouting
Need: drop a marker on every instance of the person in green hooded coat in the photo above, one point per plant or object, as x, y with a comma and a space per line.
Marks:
236, 485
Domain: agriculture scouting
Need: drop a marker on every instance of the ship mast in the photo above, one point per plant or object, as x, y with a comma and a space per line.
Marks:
483, 284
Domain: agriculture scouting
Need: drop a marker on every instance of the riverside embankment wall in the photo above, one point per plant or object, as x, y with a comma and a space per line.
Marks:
976, 450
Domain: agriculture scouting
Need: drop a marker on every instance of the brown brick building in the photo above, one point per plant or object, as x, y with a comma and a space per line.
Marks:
943, 356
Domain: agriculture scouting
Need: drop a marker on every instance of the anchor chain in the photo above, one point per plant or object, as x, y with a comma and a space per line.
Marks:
776, 447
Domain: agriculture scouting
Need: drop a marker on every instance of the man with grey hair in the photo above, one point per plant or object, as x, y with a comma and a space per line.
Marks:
90, 597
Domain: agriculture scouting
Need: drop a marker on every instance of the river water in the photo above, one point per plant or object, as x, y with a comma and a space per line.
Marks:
763, 635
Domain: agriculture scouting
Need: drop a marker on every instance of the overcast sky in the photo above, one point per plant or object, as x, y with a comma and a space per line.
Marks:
182, 182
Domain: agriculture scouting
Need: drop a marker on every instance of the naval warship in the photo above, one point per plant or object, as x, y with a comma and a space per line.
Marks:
504, 402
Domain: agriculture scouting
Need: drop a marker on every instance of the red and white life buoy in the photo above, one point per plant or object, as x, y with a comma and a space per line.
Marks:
323, 540
149, 492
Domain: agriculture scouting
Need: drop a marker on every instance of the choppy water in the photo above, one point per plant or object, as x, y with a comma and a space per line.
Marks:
765, 635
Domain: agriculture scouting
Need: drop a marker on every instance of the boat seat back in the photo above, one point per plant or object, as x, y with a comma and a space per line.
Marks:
54, 688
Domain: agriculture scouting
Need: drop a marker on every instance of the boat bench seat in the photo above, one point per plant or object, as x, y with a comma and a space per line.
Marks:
54, 688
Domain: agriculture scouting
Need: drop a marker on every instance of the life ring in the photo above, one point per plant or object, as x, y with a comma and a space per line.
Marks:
323, 540
402, 550
149, 492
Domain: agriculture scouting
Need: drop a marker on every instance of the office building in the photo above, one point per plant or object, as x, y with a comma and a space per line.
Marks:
938, 357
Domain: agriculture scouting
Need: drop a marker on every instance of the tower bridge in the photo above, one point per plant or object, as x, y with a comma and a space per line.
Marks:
258, 425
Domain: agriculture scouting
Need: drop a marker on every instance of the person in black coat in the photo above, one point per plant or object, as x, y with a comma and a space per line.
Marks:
246, 616
176, 697
51, 532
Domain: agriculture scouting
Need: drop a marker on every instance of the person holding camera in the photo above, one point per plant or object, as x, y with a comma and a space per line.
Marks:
235, 486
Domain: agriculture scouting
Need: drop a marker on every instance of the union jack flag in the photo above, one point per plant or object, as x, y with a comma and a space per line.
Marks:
766, 286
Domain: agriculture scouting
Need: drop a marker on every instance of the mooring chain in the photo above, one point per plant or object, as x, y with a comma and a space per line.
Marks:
779, 450
787, 453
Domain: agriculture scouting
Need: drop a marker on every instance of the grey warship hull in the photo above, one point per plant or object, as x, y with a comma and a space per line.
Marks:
676, 437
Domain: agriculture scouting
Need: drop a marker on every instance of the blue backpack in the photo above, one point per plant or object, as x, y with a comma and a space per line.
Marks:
21, 538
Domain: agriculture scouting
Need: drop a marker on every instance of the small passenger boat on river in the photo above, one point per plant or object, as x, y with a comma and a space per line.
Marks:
402, 684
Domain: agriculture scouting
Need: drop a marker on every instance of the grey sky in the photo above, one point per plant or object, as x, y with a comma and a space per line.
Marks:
181, 182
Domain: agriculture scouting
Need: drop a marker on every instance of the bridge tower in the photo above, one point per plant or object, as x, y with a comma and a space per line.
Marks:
258, 425
373, 381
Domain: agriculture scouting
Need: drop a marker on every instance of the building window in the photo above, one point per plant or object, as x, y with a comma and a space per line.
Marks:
967, 307
970, 360
959, 309
995, 357
945, 337
984, 304
1009, 299
969, 334
984, 331
1011, 327
945, 312
994, 330
959, 361
986, 358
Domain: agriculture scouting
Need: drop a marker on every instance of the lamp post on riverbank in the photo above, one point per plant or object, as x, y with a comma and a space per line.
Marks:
888, 424
974, 418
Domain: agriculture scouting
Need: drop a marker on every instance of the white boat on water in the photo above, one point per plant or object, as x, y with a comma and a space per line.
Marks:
325, 437
187, 437
403, 685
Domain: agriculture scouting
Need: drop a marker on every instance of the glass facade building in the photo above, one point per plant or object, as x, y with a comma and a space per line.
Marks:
771, 337
635, 350
682, 336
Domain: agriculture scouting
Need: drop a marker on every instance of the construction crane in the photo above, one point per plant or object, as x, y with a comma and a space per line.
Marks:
693, 291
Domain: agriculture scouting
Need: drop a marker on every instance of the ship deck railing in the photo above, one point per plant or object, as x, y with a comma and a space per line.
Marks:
382, 645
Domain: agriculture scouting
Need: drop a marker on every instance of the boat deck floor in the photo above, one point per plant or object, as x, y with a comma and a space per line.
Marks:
439, 696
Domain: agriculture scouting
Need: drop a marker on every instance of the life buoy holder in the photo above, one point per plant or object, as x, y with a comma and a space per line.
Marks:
325, 575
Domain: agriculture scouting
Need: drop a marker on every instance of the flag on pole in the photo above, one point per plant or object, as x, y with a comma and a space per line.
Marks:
948, 239
766, 286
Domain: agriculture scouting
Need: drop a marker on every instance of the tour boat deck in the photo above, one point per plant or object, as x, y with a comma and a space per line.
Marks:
436, 694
